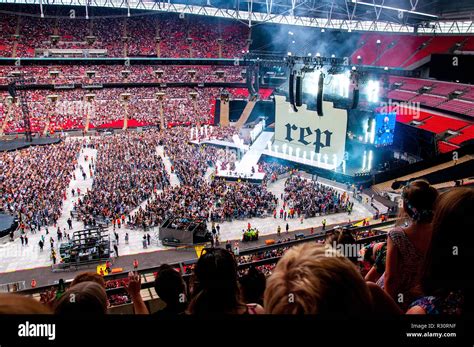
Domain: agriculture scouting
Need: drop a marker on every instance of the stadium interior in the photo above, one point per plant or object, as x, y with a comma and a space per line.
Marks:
185, 157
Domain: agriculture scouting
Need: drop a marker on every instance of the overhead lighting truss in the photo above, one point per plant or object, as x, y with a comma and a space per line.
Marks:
249, 16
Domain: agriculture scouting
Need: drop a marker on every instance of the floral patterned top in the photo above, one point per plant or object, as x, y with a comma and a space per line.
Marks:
450, 305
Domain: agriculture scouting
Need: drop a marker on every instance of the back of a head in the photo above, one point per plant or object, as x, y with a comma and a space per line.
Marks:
89, 277
449, 260
340, 238
214, 286
169, 285
316, 279
19, 304
252, 286
419, 198
85, 298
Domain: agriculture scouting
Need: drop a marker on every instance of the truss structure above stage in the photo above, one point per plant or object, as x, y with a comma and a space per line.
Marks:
350, 15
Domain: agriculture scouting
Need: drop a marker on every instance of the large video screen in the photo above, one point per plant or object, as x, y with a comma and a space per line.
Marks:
384, 128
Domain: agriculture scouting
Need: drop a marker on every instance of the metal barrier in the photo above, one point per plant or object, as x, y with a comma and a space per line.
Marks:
247, 251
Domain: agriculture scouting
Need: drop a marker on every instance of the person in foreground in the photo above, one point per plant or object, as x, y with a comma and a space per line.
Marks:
407, 246
317, 279
448, 281
170, 287
215, 288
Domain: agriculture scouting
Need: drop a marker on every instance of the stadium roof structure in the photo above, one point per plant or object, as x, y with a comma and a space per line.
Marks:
422, 16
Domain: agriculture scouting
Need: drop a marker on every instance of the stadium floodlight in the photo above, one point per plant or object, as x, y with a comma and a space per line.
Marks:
310, 82
339, 85
364, 160
393, 8
372, 132
369, 160
373, 89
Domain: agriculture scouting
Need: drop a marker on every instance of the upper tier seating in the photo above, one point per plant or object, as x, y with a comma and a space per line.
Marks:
132, 36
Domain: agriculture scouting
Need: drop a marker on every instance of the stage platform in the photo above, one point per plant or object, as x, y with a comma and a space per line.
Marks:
219, 143
13, 145
315, 163
251, 158
243, 168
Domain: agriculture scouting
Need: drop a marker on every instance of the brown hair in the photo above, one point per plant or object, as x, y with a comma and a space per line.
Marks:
214, 286
19, 304
342, 237
315, 279
418, 200
88, 276
82, 298
448, 262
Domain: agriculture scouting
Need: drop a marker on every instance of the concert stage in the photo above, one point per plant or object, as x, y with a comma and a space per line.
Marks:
13, 145
7, 224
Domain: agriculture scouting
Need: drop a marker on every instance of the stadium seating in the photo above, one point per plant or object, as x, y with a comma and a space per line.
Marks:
428, 100
401, 95
439, 124
209, 38
458, 106
464, 135
404, 46
445, 147
438, 44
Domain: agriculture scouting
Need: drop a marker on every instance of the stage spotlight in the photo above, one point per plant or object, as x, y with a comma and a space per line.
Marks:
344, 82
369, 161
372, 91
310, 82
339, 85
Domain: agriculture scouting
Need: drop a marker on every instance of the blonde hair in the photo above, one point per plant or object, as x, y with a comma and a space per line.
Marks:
19, 304
311, 279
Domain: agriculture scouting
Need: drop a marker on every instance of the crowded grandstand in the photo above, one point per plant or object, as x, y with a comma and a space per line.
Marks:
169, 159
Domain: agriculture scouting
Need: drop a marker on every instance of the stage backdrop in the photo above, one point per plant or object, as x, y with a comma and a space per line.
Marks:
309, 132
